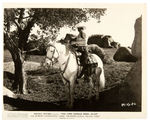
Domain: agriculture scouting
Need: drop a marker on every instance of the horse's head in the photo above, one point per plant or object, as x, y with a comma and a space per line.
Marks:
51, 55
55, 52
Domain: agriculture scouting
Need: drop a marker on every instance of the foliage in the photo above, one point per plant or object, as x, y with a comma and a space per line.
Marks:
48, 19
18, 23
41, 44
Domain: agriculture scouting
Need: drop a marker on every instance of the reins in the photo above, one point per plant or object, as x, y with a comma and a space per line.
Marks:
51, 59
66, 63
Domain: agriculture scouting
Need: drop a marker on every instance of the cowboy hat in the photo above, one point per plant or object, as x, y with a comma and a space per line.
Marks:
81, 27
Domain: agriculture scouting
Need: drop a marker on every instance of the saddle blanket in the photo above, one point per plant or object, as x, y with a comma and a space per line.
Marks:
91, 60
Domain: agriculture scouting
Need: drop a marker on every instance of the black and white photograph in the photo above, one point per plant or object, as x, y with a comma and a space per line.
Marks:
73, 58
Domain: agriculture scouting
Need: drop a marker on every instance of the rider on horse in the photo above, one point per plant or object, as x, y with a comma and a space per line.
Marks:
80, 44
81, 38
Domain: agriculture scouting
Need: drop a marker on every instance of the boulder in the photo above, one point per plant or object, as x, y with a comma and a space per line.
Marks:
134, 77
115, 44
124, 54
103, 41
106, 41
131, 92
137, 43
96, 39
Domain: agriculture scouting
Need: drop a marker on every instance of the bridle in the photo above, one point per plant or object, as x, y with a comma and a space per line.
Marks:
53, 59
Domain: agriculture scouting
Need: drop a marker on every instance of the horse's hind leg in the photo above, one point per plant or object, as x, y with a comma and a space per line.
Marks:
90, 82
97, 83
102, 80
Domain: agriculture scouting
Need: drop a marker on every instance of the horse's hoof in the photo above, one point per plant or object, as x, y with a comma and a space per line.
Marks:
97, 97
24, 92
69, 106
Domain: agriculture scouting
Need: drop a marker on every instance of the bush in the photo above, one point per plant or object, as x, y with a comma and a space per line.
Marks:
107, 59
41, 45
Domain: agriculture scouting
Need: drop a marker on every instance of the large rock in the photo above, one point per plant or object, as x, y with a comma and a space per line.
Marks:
95, 39
115, 44
137, 43
124, 54
134, 77
134, 80
103, 41
107, 40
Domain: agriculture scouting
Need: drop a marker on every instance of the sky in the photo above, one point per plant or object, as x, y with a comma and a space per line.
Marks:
118, 22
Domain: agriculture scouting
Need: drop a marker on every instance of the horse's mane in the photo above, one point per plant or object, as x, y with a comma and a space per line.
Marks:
60, 43
55, 43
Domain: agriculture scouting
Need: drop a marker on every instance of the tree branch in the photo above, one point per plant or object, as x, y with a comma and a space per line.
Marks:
21, 15
37, 48
24, 17
17, 25
11, 46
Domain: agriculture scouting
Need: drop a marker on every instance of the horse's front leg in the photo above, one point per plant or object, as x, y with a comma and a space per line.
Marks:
71, 93
97, 82
91, 87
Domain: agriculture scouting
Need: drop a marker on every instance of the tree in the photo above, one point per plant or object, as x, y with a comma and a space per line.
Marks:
23, 20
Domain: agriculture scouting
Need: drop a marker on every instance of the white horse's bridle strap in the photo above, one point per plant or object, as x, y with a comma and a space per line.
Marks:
62, 72
66, 63
51, 59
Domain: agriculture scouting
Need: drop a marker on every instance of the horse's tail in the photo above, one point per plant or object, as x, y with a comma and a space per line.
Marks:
101, 75
95, 49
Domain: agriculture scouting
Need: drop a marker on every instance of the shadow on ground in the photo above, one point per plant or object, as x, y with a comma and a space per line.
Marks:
109, 101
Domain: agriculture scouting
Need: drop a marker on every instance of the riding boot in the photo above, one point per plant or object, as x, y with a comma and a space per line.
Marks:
86, 56
86, 66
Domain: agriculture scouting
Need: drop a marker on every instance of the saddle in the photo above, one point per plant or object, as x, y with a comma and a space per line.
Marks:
90, 64
85, 60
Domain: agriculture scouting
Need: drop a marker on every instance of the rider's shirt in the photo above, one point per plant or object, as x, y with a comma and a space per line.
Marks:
81, 39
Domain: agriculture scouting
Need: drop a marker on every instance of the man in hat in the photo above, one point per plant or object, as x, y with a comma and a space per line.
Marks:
80, 43
81, 38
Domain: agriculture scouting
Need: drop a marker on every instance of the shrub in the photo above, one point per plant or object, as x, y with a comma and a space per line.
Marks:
40, 44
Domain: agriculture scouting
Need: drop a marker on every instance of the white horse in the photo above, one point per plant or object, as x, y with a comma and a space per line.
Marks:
70, 68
